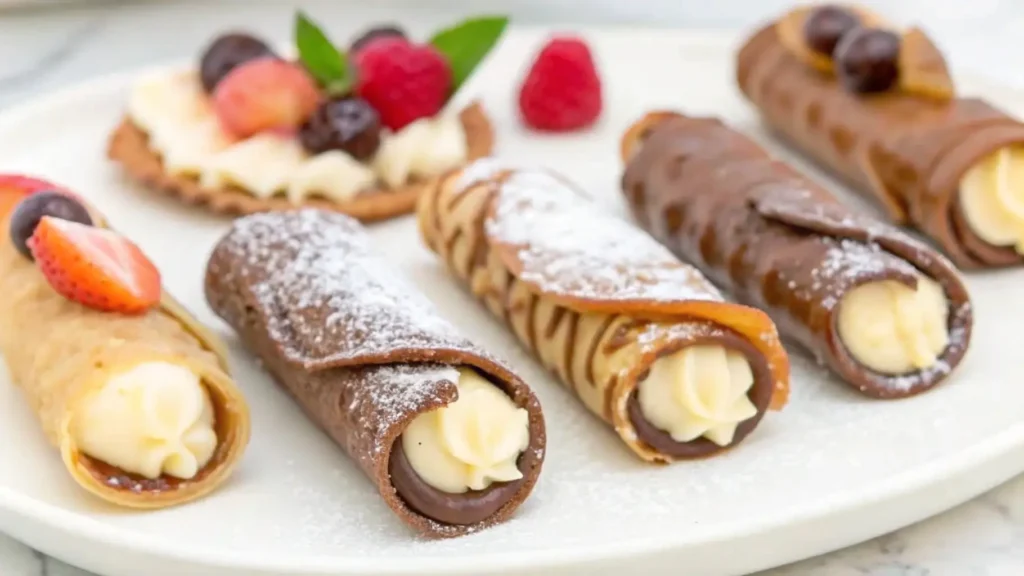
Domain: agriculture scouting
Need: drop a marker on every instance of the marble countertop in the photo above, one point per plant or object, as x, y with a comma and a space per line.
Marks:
47, 48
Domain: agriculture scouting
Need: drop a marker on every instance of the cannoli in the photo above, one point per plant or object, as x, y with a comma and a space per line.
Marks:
250, 131
453, 440
132, 390
641, 339
877, 107
887, 313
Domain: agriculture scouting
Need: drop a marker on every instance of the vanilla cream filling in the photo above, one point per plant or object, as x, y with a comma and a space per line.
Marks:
892, 328
992, 198
153, 419
471, 443
183, 128
698, 391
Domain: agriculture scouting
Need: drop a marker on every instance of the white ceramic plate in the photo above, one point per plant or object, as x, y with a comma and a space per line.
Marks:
832, 469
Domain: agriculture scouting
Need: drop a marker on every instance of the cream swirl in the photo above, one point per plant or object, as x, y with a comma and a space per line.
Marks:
471, 443
992, 198
892, 328
153, 419
698, 391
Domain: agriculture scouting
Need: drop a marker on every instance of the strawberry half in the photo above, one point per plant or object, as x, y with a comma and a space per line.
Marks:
95, 267
15, 187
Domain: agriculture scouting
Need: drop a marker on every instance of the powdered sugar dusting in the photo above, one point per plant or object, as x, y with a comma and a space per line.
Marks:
328, 299
571, 246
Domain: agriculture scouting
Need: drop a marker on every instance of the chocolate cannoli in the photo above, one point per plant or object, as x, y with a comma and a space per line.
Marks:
881, 111
452, 438
888, 314
641, 339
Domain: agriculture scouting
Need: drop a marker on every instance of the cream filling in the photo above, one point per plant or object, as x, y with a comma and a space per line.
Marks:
892, 328
183, 128
992, 198
154, 419
698, 391
471, 443
425, 148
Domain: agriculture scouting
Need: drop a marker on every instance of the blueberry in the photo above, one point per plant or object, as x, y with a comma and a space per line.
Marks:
228, 52
826, 25
385, 31
349, 124
867, 60
30, 211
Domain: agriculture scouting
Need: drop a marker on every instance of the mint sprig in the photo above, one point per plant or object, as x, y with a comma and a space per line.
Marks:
466, 43
328, 65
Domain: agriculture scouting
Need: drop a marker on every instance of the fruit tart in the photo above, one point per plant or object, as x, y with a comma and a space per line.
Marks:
132, 391
360, 131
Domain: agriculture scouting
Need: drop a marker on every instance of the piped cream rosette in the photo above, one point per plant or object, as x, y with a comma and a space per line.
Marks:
117, 393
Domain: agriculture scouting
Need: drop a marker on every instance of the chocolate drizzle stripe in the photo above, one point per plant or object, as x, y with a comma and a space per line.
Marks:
608, 404
570, 351
531, 323
556, 318
593, 347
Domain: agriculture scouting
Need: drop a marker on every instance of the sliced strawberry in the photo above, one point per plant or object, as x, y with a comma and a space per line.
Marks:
15, 187
95, 267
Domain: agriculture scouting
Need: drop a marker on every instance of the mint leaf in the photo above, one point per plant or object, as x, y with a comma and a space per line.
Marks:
322, 59
465, 44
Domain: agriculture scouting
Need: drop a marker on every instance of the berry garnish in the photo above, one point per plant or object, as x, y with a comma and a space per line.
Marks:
349, 124
265, 94
385, 31
826, 25
562, 90
226, 53
15, 187
32, 209
95, 267
403, 81
867, 60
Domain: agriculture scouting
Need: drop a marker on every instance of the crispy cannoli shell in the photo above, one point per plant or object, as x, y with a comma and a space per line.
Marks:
599, 341
906, 152
357, 348
58, 351
777, 240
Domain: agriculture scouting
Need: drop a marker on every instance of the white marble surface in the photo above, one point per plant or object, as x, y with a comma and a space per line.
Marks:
45, 49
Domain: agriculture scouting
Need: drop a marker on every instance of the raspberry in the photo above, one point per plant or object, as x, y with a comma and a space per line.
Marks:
403, 81
562, 90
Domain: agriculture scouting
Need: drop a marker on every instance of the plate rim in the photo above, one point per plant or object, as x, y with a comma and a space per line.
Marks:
930, 475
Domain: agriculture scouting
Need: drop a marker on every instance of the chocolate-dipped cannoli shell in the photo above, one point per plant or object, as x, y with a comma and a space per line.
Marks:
907, 152
595, 299
777, 240
361, 352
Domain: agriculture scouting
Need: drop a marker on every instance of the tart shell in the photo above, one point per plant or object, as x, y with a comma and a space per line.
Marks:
129, 147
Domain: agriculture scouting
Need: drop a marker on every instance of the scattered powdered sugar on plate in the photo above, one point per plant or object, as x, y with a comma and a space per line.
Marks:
327, 297
568, 244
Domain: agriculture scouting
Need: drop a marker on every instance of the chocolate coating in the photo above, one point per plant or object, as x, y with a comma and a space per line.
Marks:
460, 509
30, 211
826, 25
867, 60
349, 124
228, 52
760, 394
